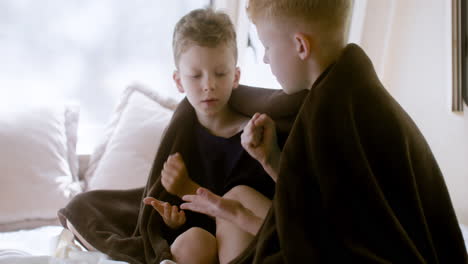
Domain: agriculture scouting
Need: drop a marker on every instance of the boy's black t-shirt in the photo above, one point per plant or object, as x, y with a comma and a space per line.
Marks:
224, 164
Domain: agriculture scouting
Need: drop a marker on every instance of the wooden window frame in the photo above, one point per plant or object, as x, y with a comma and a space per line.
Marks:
459, 54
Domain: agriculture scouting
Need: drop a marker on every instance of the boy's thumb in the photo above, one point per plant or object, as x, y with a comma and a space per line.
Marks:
178, 156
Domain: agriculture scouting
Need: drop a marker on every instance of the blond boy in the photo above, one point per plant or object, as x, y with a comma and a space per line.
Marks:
356, 180
205, 55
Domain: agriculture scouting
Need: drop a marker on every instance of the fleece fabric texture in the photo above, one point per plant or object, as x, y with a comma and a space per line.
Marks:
357, 182
117, 223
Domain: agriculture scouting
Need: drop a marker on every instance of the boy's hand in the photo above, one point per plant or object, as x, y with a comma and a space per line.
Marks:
174, 177
170, 214
206, 202
259, 140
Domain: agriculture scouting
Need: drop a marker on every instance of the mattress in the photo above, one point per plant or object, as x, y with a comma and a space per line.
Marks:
54, 244
36, 242
44, 245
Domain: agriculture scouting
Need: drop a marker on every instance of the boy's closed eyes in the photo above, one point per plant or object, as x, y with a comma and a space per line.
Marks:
199, 75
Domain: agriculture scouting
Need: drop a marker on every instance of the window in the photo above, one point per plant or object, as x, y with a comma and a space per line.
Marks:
459, 54
464, 45
254, 71
86, 51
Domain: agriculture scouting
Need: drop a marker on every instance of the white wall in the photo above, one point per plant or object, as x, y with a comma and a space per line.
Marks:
415, 66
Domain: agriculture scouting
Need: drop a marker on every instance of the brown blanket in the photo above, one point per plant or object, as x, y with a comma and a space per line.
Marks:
118, 224
358, 182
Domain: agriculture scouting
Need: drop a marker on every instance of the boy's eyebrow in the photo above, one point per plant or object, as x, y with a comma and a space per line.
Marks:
220, 67
223, 66
190, 68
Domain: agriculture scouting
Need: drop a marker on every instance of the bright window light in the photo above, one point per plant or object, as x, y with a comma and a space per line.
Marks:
87, 52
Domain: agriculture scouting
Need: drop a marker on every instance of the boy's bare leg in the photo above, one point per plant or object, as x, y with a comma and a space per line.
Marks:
231, 239
195, 246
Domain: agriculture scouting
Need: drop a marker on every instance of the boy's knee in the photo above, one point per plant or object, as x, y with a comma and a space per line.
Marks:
192, 237
238, 191
195, 245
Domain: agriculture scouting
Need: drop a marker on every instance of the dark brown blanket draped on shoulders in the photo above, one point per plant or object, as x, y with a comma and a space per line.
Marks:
358, 182
118, 224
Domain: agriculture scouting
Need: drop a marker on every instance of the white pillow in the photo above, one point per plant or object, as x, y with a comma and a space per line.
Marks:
124, 158
38, 163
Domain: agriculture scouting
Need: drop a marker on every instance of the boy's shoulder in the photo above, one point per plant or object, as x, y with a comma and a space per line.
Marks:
239, 123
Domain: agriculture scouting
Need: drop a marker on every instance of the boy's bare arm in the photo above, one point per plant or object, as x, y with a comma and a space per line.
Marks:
259, 140
208, 203
272, 166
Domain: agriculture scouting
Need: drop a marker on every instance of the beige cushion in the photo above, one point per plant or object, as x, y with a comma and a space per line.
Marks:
123, 159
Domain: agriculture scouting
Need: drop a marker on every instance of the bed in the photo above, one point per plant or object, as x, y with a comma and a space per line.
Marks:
54, 244
46, 244
41, 170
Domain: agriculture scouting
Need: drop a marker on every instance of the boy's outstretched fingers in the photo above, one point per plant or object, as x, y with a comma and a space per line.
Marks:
203, 201
156, 204
171, 214
148, 200
206, 202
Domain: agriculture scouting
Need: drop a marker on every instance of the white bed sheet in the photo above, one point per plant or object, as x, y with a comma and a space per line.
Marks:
53, 245
36, 242
46, 245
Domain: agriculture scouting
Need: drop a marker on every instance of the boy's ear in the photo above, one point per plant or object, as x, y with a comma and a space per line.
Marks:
303, 45
176, 77
237, 74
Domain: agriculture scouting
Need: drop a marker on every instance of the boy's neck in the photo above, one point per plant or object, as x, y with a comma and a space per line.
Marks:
226, 123
321, 63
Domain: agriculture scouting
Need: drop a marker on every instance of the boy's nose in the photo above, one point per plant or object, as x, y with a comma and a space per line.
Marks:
209, 84
208, 88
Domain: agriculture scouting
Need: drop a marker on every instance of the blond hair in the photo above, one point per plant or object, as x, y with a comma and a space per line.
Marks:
203, 27
330, 17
